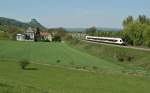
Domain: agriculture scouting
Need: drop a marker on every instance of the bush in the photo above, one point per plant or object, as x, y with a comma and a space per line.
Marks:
84, 67
78, 67
130, 58
124, 56
56, 38
58, 61
24, 64
4, 35
75, 41
68, 37
95, 68
121, 59
120, 55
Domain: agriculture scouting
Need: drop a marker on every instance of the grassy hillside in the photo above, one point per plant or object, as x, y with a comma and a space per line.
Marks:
51, 53
48, 75
129, 58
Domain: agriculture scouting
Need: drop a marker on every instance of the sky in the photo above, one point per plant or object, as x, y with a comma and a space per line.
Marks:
74, 13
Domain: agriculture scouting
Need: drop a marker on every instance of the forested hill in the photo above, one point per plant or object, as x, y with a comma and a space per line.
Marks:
12, 22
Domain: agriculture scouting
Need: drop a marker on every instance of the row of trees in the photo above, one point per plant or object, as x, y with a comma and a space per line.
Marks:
137, 31
58, 34
93, 31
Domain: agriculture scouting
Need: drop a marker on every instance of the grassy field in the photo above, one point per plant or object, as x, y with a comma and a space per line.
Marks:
129, 58
52, 79
50, 53
47, 79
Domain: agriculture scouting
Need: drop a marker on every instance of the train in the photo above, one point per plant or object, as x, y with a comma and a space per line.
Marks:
110, 40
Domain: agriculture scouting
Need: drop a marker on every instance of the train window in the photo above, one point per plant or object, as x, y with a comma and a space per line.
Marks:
120, 40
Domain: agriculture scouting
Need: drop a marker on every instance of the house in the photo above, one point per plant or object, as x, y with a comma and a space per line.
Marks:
20, 37
34, 35
46, 36
30, 34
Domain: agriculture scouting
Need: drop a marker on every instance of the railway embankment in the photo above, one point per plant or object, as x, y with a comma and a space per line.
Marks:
127, 57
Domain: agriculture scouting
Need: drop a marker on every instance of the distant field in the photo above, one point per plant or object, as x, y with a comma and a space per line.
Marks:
51, 79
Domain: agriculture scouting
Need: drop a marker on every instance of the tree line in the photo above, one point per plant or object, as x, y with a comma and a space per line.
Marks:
136, 31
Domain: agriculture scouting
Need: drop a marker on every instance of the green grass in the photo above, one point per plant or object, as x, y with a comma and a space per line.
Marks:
51, 79
48, 79
50, 53
112, 53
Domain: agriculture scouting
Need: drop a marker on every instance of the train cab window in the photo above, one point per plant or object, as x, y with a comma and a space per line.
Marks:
120, 40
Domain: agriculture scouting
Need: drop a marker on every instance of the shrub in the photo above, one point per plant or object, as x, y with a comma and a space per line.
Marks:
68, 37
95, 68
120, 55
84, 67
58, 61
121, 59
56, 38
24, 64
76, 41
130, 58
78, 67
3, 35
124, 56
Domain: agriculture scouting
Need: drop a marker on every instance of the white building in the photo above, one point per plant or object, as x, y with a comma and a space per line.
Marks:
20, 37
29, 35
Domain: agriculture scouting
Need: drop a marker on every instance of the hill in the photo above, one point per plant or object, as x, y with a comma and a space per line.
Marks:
12, 22
50, 53
56, 68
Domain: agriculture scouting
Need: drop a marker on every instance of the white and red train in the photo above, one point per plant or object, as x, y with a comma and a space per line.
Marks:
110, 40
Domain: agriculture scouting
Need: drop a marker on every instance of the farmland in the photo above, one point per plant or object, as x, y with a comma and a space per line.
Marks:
73, 73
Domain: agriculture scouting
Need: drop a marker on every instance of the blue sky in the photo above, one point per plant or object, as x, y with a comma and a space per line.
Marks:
74, 13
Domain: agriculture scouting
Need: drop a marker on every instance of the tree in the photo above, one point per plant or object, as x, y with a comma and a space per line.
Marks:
56, 38
58, 33
24, 64
137, 32
127, 21
4, 35
37, 34
142, 19
12, 31
146, 35
61, 32
91, 31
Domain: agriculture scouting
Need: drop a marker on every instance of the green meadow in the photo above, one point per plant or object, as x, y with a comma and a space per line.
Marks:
50, 53
58, 68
